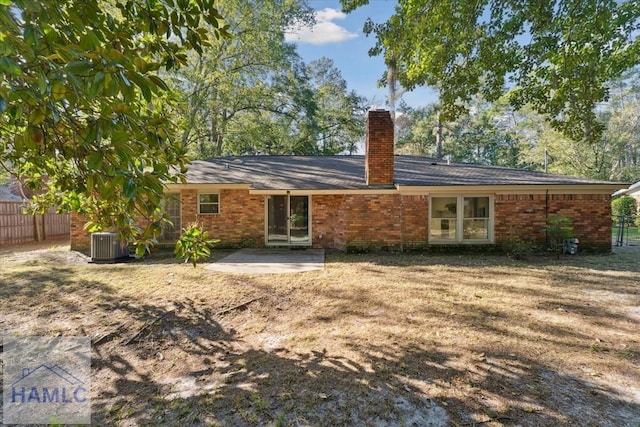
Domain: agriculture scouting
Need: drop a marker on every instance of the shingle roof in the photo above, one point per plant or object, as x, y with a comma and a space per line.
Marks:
282, 172
347, 172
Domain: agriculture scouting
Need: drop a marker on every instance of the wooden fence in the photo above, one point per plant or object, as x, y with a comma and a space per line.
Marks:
16, 227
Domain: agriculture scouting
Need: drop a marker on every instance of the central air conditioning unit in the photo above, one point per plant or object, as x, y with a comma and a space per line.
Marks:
106, 247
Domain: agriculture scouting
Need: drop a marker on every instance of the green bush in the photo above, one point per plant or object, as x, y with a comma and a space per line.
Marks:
194, 244
4, 177
559, 227
625, 205
516, 247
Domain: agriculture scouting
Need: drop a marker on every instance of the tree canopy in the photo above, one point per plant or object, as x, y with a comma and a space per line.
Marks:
253, 93
478, 137
559, 56
252, 73
84, 115
497, 134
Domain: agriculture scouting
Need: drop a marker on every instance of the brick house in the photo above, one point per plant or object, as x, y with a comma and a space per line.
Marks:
378, 201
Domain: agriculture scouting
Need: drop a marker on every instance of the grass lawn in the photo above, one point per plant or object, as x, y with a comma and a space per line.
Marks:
374, 339
633, 233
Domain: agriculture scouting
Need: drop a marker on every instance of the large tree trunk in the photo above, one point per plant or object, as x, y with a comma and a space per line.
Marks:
439, 139
393, 88
216, 138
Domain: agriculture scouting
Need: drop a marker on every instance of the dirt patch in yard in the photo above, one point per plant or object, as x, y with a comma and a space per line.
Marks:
374, 339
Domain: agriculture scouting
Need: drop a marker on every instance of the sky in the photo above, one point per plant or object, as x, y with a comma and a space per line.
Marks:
339, 36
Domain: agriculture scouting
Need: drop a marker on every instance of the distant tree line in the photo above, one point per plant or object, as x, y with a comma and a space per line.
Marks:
516, 79
497, 134
253, 94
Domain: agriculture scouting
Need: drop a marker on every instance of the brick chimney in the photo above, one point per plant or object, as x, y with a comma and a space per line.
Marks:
379, 146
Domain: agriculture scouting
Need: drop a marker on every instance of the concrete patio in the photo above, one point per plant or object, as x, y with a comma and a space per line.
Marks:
270, 261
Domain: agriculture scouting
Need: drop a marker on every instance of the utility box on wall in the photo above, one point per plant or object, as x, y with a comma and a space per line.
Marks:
106, 247
570, 246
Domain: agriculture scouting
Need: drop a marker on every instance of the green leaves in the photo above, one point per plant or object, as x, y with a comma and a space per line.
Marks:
194, 244
36, 116
58, 91
8, 66
558, 228
558, 56
83, 107
254, 94
94, 160
625, 205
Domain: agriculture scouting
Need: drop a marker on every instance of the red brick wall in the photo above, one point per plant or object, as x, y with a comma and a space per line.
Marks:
359, 221
80, 239
239, 223
371, 221
525, 215
379, 148
415, 221
326, 226
388, 221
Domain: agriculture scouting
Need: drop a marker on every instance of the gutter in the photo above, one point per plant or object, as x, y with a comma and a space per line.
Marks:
627, 191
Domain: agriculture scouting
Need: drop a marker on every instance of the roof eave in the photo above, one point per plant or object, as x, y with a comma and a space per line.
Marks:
608, 188
207, 186
323, 191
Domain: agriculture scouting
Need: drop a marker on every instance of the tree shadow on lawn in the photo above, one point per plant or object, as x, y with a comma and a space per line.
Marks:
578, 325
232, 383
53, 287
182, 363
189, 369
619, 282
578, 291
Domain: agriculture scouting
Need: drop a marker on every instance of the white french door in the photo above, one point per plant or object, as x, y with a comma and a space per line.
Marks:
288, 220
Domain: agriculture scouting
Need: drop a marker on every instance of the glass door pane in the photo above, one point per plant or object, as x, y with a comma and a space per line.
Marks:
299, 219
171, 206
288, 220
277, 221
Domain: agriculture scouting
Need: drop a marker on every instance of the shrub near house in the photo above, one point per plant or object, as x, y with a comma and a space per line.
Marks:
626, 206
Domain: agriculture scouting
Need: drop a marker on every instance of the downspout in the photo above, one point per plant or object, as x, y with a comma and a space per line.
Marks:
401, 220
546, 217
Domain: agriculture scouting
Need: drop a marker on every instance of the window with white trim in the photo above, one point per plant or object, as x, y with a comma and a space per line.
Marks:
208, 203
457, 219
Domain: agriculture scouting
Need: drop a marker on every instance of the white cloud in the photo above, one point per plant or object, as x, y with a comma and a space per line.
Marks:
325, 31
329, 14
